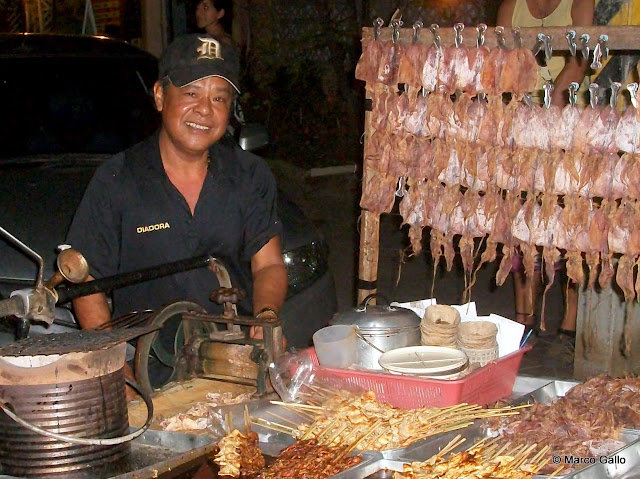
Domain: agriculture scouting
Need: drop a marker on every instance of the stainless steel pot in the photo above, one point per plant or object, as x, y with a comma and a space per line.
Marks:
381, 328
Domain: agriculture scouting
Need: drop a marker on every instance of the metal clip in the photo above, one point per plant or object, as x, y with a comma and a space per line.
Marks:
500, 34
548, 49
434, 28
517, 39
633, 90
571, 39
377, 25
395, 25
402, 186
593, 95
573, 93
482, 28
597, 56
526, 99
605, 49
457, 28
584, 48
548, 90
615, 89
539, 46
416, 31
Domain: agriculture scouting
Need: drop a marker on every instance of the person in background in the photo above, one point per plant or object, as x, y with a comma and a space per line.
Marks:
562, 70
184, 192
215, 17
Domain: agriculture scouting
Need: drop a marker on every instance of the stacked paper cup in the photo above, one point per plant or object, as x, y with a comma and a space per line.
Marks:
439, 326
478, 340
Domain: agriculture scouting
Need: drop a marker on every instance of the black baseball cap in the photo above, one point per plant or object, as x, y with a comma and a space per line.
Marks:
193, 57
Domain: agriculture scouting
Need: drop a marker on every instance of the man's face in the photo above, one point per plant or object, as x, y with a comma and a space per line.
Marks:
195, 116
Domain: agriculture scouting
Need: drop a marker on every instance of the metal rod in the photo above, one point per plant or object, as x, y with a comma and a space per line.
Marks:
105, 285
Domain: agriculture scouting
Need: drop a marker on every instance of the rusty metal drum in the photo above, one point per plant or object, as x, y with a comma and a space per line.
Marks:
78, 394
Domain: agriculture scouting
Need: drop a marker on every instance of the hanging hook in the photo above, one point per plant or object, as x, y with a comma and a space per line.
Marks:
434, 28
500, 34
517, 39
571, 39
526, 99
573, 93
597, 57
633, 89
548, 90
548, 49
539, 46
395, 25
402, 186
615, 89
482, 28
593, 94
377, 25
416, 31
604, 49
584, 48
457, 28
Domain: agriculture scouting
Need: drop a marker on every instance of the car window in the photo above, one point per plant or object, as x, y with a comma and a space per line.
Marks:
74, 105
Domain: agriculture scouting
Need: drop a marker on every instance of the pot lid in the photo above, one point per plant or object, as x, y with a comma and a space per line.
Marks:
373, 317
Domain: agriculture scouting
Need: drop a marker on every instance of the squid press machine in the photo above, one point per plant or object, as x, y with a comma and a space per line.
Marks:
195, 343
212, 346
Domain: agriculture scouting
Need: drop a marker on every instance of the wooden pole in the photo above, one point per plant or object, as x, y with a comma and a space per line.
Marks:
369, 229
619, 37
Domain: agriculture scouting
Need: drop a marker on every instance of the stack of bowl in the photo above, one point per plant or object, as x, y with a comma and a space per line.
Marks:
439, 326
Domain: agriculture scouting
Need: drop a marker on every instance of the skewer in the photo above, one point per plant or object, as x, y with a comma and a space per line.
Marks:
355, 443
282, 418
296, 405
228, 420
247, 421
555, 473
308, 416
274, 426
455, 442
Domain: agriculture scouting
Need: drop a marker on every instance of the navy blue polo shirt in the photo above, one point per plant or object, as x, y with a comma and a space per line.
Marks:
132, 217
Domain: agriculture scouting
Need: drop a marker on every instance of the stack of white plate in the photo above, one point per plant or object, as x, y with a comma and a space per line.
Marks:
436, 362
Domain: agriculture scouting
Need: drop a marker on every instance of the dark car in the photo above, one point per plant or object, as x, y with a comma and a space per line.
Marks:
68, 104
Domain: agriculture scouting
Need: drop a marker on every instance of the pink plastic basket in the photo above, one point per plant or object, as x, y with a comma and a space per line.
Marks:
485, 385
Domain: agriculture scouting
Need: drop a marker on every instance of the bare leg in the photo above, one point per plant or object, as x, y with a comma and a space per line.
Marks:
570, 307
526, 293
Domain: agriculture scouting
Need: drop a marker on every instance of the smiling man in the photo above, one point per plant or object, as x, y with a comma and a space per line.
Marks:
184, 192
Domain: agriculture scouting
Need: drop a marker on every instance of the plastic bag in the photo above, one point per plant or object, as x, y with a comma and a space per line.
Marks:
289, 373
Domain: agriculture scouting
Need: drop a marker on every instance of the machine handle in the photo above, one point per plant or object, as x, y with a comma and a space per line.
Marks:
105, 285
12, 307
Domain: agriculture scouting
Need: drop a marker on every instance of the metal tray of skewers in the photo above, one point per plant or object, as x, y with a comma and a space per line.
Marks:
621, 463
274, 423
279, 424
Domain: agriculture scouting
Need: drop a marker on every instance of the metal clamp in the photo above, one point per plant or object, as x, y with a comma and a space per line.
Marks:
482, 28
573, 93
377, 26
457, 28
395, 26
434, 28
517, 39
584, 47
499, 31
416, 30
571, 39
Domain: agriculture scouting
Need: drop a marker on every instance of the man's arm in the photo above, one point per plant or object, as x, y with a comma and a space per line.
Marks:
575, 67
92, 310
269, 279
